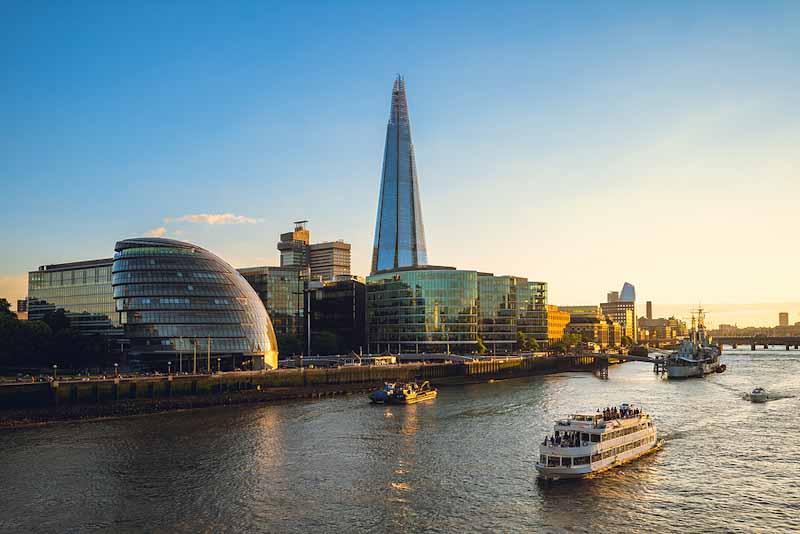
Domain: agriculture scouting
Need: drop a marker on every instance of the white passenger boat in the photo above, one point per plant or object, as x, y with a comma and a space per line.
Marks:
759, 395
584, 444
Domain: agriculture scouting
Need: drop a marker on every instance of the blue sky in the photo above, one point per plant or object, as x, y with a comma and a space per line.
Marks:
584, 144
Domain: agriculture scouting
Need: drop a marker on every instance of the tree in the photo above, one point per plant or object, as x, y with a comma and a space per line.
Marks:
5, 309
533, 344
479, 346
558, 347
325, 342
289, 345
626, 341
571, 340
57, 320
522, 341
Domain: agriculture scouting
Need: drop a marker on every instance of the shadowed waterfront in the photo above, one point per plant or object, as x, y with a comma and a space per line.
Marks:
462, 462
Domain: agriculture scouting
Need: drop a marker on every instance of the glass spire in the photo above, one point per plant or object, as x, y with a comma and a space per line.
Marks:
399, 232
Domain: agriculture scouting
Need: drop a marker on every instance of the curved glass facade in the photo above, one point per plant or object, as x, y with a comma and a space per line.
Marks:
423, 311
183, 304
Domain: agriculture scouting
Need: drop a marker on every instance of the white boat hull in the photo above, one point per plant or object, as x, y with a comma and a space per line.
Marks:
556, 473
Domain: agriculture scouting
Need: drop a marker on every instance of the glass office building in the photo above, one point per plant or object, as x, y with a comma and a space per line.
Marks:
399, 232
419, 310
183, 304
511, 304
281, 290
442, 309
82, 289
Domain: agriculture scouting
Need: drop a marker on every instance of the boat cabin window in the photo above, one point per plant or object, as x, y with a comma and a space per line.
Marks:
584, 436
580, 460
542, 459
595, 438
553, 461
566, 461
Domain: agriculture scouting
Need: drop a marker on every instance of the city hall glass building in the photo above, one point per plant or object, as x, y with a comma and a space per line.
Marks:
181, 303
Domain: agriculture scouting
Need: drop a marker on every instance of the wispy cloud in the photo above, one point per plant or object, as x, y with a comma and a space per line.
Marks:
213, 218
156, 232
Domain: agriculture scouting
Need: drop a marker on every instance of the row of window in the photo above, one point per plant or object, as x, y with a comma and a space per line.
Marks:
139, 277
154, 251
187, 317
625, 431
168, 264
150, 290
569, 461
252, 330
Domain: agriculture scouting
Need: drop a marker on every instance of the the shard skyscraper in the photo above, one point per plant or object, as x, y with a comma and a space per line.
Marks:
399, 232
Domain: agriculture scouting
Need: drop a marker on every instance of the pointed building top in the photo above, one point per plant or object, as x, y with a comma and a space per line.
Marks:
399, 232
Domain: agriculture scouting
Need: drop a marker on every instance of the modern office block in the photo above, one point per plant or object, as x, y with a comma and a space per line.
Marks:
329, 260
82, 289
282, 292
338, 313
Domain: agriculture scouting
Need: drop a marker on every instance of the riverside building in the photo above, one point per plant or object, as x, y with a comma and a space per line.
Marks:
82, 289
399, 231
413, 307
182, 304
557, 321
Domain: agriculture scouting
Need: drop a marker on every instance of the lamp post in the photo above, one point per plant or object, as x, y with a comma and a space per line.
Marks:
218, 365
169, 368
54, 372
116, 370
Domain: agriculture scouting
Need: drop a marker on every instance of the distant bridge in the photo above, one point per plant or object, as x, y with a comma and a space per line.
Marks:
755, 341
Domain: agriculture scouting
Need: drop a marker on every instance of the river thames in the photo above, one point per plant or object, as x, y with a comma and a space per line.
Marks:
464, 462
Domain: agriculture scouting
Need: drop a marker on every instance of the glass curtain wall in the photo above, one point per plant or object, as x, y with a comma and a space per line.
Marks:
181, 303
418, 311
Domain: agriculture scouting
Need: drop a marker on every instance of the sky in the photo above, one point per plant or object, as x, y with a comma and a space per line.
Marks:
580, 143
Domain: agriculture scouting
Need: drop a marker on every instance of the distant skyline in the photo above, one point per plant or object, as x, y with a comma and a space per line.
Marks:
581, 144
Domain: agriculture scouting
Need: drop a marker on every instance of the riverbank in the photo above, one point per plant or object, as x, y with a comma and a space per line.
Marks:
35, 404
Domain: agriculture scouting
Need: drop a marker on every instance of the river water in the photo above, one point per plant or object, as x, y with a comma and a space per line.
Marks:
464, 462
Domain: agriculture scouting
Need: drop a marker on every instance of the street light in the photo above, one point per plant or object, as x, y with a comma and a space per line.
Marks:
218, 365
116, 370
54, 371
169, 368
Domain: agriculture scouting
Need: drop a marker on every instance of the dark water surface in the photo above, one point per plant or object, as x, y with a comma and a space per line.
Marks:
464, 462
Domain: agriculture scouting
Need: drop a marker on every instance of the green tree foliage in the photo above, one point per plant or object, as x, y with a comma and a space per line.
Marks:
479, 346
324, 343
522, 341
571, 340
559, 347
626, 341
290, 345
41, 344
533, 345
5, 309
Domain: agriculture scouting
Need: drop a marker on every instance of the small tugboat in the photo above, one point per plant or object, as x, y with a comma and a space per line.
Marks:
696, 356
411, 393
381, 396
588, 443
759, 395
